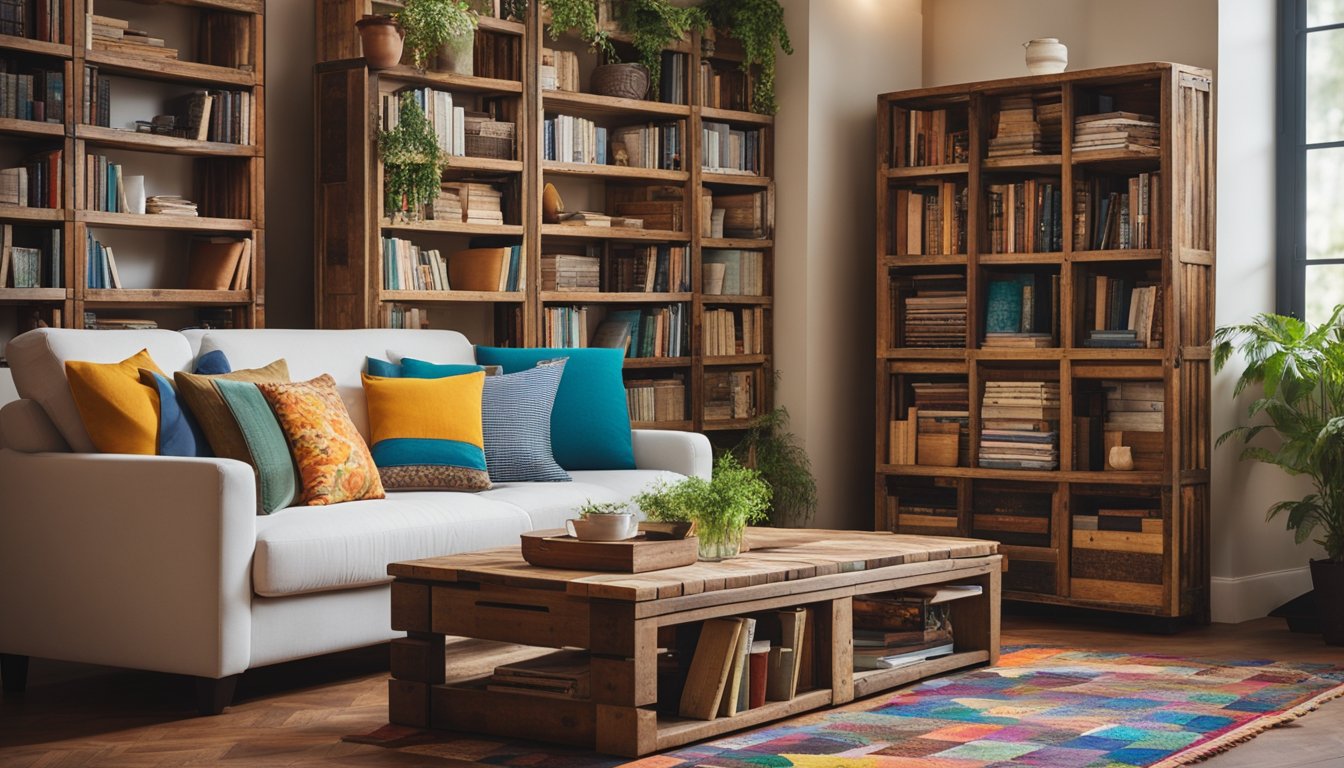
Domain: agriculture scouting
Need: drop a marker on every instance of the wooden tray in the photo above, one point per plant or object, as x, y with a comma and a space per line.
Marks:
557, 549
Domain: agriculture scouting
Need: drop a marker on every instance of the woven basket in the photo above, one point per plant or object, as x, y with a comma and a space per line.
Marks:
626, 81
493, 147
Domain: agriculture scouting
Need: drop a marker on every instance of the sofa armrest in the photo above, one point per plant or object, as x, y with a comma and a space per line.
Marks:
130, 561
686, 453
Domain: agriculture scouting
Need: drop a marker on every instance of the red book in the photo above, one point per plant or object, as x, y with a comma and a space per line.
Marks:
758, 665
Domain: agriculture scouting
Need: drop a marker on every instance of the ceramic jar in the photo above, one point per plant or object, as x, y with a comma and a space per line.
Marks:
1046, 56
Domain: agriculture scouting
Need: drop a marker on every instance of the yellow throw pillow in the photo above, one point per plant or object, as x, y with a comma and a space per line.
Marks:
120, 414
333, 460
426, 433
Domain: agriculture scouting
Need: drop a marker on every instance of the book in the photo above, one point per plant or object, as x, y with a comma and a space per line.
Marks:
737, 685
212, 264
759, 663
786, 658
891, 661
563, 674
715, 651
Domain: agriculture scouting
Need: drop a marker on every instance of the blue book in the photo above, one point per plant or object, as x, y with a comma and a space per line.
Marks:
601, 145
1003, 307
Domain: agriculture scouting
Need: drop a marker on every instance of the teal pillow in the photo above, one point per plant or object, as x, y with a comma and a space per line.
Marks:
382, 368
277, 476
419, 369
590, 423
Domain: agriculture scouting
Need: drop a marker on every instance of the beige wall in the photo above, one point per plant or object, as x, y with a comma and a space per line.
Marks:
290, 52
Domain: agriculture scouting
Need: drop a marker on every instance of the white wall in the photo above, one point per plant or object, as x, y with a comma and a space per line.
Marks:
845, 54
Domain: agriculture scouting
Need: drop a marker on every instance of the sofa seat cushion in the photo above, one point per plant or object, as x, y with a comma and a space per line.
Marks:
549, 505
314, 549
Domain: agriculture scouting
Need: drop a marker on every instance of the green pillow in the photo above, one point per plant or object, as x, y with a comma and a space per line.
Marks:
590, 423
277, 478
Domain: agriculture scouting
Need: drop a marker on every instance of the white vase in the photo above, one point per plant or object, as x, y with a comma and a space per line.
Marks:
1046, 56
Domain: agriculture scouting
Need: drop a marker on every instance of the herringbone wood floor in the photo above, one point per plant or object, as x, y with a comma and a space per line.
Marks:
295, 714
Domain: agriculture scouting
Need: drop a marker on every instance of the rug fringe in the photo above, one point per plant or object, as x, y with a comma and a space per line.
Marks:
1246, 732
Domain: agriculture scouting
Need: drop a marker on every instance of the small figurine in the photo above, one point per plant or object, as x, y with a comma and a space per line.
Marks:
621, 157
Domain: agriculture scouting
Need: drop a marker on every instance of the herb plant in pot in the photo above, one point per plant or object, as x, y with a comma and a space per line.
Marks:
381, 40
1300, 370
606, 521
411, 162
442, 31
721, 507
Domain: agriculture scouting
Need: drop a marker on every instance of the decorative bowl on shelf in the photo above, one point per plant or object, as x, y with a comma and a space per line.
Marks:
626, 81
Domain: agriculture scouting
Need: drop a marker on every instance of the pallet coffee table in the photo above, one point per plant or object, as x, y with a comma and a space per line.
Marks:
496, 595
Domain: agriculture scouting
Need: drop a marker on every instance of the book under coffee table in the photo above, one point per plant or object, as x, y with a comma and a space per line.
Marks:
496, 595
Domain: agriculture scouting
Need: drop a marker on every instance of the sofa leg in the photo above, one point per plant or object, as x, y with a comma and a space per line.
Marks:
14, 671
214, 694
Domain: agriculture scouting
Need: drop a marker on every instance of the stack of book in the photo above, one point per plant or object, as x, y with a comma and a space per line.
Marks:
740, 215
901, 628
34, 94
1026, 217
93, 322
1018, 425
647, 332
570, 272
408, 267
943, 423
1050, 116
655, 400
569, 139
1116, 212
930, 220
1016, 131
599, 219
170, 205
1022, 310
929, 138
732, 670
447, 206
1127, 131
481, 203
564, 327
559, 70
562, 675
653, 145
34, 19
724, 149
1126, 312
935, 312
1135, 415
649, 269
35, 184
730, 395
733, 272
734, 331
112, 34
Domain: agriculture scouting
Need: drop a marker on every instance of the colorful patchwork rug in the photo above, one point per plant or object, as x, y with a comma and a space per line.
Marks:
1051, 707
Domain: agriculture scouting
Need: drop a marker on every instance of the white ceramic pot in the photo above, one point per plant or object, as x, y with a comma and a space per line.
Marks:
1046, 56
603, 527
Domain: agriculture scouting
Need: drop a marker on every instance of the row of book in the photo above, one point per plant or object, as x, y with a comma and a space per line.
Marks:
96, 103
34, 94
42, 20
36, 263
571, 272
106, 188
730, 332
498, 56
897, 629
725, 86
559, 70
737, 665
100, 265
1117, 212
926, 137
672, 78
647, 332
1126, 312
730, 395
649, 269
724, 149
35, 184
1022, 310
930, 220
392, 315
446, 120
732, 272
220, 116
934, 311
1026, 217
1019, 425
565, 327
936, 430
656, 400
570, 139
407, 266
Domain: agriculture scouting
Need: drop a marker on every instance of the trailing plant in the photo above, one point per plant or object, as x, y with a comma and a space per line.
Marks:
592, 508
1301, 372
579, 17
771, 449
721, 507
655, 24
759, 25
429, 24
411, 159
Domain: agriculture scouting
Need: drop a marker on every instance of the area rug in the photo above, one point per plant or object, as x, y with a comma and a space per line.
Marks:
1053, 707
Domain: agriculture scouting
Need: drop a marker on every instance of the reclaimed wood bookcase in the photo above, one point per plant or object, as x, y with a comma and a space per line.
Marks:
226, 179
1158, 565
351, 222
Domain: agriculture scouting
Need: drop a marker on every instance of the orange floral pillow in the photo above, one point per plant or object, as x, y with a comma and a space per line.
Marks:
333, 460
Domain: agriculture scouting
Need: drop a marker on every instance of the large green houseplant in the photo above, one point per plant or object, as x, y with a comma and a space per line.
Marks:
432, 25
721, 507
771, 449
759, 25
1299, 370
411, 161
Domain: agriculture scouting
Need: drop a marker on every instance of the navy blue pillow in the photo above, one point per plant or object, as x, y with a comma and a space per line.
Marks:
179, 435
212, 363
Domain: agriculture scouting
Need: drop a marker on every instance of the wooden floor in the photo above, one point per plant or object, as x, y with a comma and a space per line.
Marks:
295, 714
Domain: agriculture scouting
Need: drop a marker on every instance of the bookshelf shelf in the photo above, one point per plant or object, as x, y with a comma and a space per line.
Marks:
736, 360
20, 213
711, 299
1153, 398
39, 47
171, 70
677, 425
675, 731
460, 163
871, 681
164, 222
163, 297
593, 105
571, 232
454, 227
605, 297
735, 242
13, 127
118, 138
735, 116
450, 81
595, 171
238, 6
633, 363
734, 179
449, 297
25, 295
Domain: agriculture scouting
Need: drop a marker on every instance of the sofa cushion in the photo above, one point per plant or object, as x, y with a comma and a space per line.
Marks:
312, 549
426, 433
264, 446
549, 505
214, 417
37, 359
120, 413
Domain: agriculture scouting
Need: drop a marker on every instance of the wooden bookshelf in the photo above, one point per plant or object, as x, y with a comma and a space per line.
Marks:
351, 221
242, 185
1080, 533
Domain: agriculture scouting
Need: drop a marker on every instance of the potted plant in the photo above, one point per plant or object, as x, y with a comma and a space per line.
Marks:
653, 25
759, 25
411, 161
579, 17
1300, 369
381, 39
440, 29
771, 449
721, 507
604, 521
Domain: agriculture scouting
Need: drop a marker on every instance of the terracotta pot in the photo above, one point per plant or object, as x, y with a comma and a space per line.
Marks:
381, 39
457, 54
1327, 577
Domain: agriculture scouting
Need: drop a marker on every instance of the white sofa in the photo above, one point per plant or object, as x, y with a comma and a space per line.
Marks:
162, 563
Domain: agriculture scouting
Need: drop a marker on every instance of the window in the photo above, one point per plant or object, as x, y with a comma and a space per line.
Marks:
1311, 158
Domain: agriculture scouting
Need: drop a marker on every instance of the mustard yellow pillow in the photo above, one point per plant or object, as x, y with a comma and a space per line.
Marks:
426, 433
333, 460
120, 413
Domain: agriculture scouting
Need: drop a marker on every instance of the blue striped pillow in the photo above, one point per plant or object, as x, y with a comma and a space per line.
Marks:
516, 417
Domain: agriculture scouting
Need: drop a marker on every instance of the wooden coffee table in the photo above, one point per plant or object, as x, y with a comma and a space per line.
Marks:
495, 595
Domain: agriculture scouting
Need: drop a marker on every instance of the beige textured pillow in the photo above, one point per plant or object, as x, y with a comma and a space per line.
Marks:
213, 414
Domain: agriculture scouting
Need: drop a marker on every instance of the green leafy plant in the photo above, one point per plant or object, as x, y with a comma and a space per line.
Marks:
579, 17
429, 24
771, 449
721, 507
653, 25
411, 160
1301, 372
759, 25
592, 508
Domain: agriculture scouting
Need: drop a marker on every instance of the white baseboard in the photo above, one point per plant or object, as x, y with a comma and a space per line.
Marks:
1242, 598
